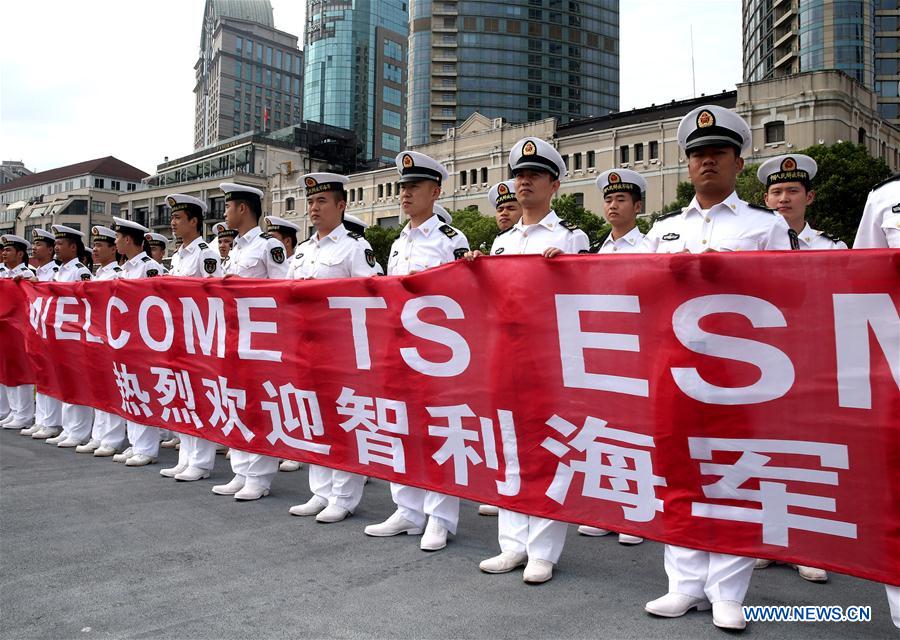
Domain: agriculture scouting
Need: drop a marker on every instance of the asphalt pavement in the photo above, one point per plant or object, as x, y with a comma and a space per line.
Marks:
92, 549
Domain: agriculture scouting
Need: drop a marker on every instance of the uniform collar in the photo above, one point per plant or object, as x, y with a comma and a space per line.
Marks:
549, 221
632, 237
425, 228
107, 267
193, 246
71, 264
137, 259
732, 203
250, 236
808, 233
336, 235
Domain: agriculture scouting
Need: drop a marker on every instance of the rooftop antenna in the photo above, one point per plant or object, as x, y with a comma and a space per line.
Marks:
693, 76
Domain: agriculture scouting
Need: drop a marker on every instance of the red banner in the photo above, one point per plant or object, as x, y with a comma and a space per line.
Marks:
746, 403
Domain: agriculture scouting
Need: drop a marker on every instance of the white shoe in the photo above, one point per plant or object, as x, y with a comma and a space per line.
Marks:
594, 532
505, 562
309, 508
393, 526
171, 472
170, 443
104, 451
811, 573
435, 537
762, 563
251, 491
30, 431
537, 571
69, 443
488, 510
627, 539
45, 432
192, 474
122, 457
727, 614
332, 513
9, 417
236, 484
61, 435
674, 605
289, 465
18, 424
89, 447
139, 460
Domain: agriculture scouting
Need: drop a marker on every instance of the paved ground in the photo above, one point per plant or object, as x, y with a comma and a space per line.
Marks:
92, 549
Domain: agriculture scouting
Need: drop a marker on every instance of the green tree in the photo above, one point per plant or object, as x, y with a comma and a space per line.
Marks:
569, 210
479, 229
684, 193
381, 239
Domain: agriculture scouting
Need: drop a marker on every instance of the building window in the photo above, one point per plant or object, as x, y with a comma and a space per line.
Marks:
391, 96
391, 119
473, 176
238, 43
390, 222
115, 185
623, 154
654, 150
289, 204
390, 186
462, 178
639, 152
381, 191
393, 50
775, 132
359, 194
99, 183
591, 160
98, 206
484, 174
390, 142
577, 158
861, 136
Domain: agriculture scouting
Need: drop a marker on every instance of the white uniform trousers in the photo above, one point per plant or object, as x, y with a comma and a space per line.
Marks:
702, 574
48, 411
893, 594
143, 439
196, 452
77, 421
21, 402
4, 403
256, 469
417, 505
109, 429
340, 488
539, 538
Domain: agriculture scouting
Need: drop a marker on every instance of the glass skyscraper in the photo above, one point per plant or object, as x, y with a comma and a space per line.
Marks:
521, 61
355, 71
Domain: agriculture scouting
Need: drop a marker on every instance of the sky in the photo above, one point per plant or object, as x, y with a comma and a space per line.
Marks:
115, 77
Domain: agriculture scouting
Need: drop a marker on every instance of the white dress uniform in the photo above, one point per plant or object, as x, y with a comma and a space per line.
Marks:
731, 225
809, 238
196, 260
430, 244
880, 229
77, 420
48, 410
142, 439
19, 399
109, 428
880, 224
551, 231
255, 255
340, 254
631, 242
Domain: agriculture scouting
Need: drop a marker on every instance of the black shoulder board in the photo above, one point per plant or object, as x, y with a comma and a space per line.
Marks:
828, 237
203, 245
58, 263
80, 266
145, 259
354, 235
505, 230
759, 208
448, 231
884, 182
670, 214
571, 226
117, 268
595, 248
266, 235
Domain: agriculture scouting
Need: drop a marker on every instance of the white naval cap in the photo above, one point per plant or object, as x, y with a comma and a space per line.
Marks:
182, 202
442, 214
235, 191
794, 167
62, 231
621, 181
102, 233
129, 225
222, 231
315, 183
712, 125
502, 192
414, 166
157, 239
534, 153
354, 224
41, 234
18, 242
281, 225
